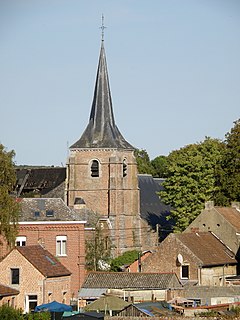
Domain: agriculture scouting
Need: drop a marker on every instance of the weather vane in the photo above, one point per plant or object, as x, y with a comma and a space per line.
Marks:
103, 27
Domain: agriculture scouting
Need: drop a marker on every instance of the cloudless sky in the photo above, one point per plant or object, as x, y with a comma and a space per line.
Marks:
174, 69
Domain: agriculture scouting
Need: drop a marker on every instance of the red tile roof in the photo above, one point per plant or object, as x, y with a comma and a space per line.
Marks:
6, 291
208, 248
43, 261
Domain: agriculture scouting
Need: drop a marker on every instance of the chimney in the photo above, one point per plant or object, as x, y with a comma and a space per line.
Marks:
209, 205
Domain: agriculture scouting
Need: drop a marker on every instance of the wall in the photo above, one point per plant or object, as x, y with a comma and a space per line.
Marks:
214, 276
31, 281
110, 195
45, 235
164, 259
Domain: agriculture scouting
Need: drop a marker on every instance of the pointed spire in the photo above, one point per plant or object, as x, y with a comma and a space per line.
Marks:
101, 131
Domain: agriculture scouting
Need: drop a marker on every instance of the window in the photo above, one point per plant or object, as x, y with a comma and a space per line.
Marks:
15, 276
20, 241
124, 168
61, 245
36, 213
31, 303
49, 213
185, 272
95, 168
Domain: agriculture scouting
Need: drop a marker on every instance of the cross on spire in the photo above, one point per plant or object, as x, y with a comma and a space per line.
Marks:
103, 27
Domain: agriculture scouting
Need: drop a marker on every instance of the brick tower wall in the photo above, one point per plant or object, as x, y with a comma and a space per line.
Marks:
111, 195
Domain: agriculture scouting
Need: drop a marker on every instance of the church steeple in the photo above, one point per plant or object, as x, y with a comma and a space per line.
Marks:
101, 131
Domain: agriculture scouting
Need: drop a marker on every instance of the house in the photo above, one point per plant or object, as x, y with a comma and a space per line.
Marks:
37, 275
224, 222
134, 287
199, 258
8, 295
57, 228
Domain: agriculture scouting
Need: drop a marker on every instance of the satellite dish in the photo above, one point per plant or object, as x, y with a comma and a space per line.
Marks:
180, 258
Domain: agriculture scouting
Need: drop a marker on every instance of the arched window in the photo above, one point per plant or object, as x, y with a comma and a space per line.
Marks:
124, 168
95, 168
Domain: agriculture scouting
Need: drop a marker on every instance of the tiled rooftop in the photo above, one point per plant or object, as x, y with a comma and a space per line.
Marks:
43, 261
129, 280
232, 215
209, 249
6, 291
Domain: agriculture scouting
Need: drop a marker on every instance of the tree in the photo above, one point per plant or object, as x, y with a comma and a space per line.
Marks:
159, 165
8, 206
98, 250
231, 164
191, 180
143, 162
126, 258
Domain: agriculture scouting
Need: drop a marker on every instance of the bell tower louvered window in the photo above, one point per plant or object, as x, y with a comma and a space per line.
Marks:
95, 168
124, 168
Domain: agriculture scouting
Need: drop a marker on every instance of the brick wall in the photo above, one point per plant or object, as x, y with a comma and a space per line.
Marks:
45, 235
110, 195
165, 259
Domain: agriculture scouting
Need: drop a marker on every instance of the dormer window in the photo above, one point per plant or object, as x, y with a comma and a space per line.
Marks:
95, 169
124, 168
49, 213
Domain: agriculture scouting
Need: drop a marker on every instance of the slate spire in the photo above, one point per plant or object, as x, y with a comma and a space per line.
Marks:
101, 131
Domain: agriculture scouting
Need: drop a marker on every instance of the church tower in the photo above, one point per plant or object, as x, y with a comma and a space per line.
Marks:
102, 170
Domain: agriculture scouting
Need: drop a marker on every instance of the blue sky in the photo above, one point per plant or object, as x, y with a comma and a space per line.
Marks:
174, 69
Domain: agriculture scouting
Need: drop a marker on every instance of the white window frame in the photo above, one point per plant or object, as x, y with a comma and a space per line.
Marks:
22, 241
28, 300
61, 246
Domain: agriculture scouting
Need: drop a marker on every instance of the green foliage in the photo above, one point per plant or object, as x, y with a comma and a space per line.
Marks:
160, 166
126, 258
230, 174
9, 313
38, 316
143, 162
8, 207
98, 248
191, 180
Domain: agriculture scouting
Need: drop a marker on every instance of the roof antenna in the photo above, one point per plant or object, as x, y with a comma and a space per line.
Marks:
103, 27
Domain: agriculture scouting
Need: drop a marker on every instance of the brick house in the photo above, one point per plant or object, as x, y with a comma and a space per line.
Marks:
60, 230
37, 275
224, 222
8, 295
199, 258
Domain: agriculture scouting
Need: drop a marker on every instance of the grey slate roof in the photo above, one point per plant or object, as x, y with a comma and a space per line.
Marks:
129, 280
152, 209
102, 131
46, 209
